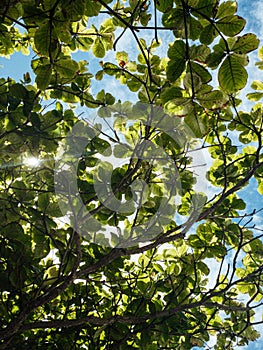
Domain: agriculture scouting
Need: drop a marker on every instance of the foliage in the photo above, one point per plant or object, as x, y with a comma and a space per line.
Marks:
150, 287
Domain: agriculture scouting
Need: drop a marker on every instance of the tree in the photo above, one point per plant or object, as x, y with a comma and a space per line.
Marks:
146, 258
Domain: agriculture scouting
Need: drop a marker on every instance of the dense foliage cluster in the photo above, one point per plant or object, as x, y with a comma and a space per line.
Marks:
147, 283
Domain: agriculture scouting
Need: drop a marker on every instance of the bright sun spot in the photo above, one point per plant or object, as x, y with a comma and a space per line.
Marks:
32, 162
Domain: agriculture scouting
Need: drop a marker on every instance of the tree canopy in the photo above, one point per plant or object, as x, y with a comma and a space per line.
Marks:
123, 224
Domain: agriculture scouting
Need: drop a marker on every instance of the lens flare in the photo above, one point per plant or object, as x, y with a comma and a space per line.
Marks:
32, 162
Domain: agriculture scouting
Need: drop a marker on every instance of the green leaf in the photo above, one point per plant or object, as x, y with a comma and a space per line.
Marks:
204, 268
170, 93
255, 96
45, 40
164, 5
260, 188
208, 34
260, 53
231, 25
232, 76
63, 34
180, 106
177, 50
173, 19
75, 9
257, 85
66, 67
21, 190
195, 242
196, 124
195, 28
145, 18
227, 8
18, 90
215, 58
107, 26
131, 66
53, 209
122, 56
98, 48
177, 64
211, 100
207, 8
201, 71
121, 151
14, 231
134, 84
113, 207
192, 82
43, 76
109, 99
175, 69
102, 146
93, 8
43, 200
110, 68
199, 53
246, 43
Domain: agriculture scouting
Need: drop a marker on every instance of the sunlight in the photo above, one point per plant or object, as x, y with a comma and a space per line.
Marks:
32, 162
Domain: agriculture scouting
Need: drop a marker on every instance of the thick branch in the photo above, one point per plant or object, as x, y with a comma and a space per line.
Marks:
132, 320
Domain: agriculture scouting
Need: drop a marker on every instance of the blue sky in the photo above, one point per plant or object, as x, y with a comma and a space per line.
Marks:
251, 10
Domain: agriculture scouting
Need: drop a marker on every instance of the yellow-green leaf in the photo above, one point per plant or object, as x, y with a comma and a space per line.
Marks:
260, 188
232, 76
246, 43
98, 48
231, 25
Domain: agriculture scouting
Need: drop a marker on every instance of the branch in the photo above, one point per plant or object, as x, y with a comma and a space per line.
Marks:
132, 320
133, 30
51, 293
20, 23
232, 190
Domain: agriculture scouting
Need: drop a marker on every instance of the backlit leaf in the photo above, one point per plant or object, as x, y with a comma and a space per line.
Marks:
231, 25
45, 40
246, 43
98, 48
232, 76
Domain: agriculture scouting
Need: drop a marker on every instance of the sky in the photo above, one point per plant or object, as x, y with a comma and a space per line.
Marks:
252, 11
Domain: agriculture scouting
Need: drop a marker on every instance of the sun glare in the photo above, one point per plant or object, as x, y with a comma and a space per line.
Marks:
32, 162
